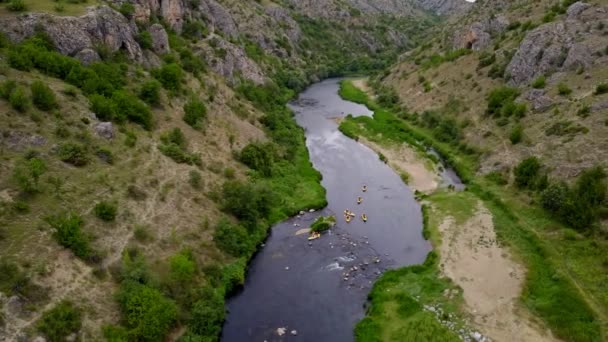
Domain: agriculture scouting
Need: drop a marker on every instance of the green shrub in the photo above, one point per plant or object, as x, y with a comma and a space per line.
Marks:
68, 233
516, 134
499, 98
584, 111
105, 155
16, 6
145, 40
147, 313
563, 89
43, 97
127, 9
232, 239
6, 88
553, 197
170, 76
27, 174
73, 153
601, 88
104, 108
150, 92
322, 224
179, 155
105, 210
194, 112
182, 267
208, 315
526, 172
131, 108
174, 136
259, 157
59, 322
539, 83
249, 203
19, 99
195, 179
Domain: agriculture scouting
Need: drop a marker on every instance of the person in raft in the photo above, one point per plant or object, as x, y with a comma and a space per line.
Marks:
359, 200
364, 188
364, 217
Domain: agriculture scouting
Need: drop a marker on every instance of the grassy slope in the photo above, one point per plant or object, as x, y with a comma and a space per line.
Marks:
570, 306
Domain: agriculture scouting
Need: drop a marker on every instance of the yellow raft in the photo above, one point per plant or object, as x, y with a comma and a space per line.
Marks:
364, 217
314, 236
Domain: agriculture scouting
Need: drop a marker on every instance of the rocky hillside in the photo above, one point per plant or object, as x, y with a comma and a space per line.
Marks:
518, 79
146, 149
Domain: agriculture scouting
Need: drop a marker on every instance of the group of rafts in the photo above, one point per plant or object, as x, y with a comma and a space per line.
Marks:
348, 214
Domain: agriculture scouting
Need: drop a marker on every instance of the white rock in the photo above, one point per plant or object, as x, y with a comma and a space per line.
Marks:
281, 331
294, 332
287, 268
311, 211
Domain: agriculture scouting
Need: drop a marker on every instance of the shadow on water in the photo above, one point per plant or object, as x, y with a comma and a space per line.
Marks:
317, 289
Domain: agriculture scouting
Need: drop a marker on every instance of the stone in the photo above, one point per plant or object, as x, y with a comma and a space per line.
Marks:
173, 12
294, 332
39, 339
71, 337
599, 106
281, 331
576, 9
540, 102
105, 130
87, 56
14, 306
233, 63
160, 39
17, 140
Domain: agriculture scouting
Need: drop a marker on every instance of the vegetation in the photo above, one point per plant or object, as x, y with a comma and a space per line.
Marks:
73, 153
68, 233
194, 112
601, 88
516, 134
43, 97
322, 223
150, 92
527, 172
59, 322
549, 290
19, 99
27, 174
105, 210
540, 82
563, 89
174, 146
501, 103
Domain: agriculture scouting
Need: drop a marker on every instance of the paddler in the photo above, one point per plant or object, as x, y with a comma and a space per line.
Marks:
359, 200
364, 217
364, 188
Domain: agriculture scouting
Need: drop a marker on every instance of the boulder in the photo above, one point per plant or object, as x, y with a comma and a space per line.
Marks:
231, 61
220, 18
599, 106
105, 130
576, 9
87, 56
173, 12
160, 39
17, 140
478, 35
540, 102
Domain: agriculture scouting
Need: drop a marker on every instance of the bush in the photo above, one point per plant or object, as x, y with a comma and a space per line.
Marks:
104, 108
131, 108
68, 233
563, 89
170, 76
59, 322
499, 98
539, 83
590, 187
16, 6
322, 224
73, 153
150, 92
19, 99
259, 157
147, 313
601, 88
194, 112
43, 97
105, 211
145, 40
232, 239
516, 134
195, 179
526, 172
127, 9
179, 155
27, 174
247, 202
182, 267
6, 88
554, 196
208, 315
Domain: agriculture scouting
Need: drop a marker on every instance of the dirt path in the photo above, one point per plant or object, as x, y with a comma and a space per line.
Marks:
361, 83
403, 158
490, 279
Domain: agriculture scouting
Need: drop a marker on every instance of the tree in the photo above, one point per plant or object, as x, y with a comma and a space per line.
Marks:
182, 266
43, 97
554, 196
150, 92
68, 233
61, 321
208, 314
170, 75
73, 153
526, 172
259, 157
232, 239
19, 99
27, 175
590, 186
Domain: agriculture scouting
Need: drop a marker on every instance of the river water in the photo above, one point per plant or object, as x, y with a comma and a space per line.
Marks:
319, 288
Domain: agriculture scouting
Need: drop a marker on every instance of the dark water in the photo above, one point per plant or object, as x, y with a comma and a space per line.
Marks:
319, 288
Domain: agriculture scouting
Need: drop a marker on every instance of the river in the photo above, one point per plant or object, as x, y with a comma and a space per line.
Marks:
318, 289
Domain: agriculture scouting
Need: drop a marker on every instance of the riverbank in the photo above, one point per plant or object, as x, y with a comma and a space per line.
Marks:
572, 309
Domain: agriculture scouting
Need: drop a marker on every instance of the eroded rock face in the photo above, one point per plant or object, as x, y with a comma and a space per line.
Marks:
105, 130
173, 12
559, 46
219, 17
71, 35
87, 56
231, 61
17, 140
478, 35
160, 39
540, 102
